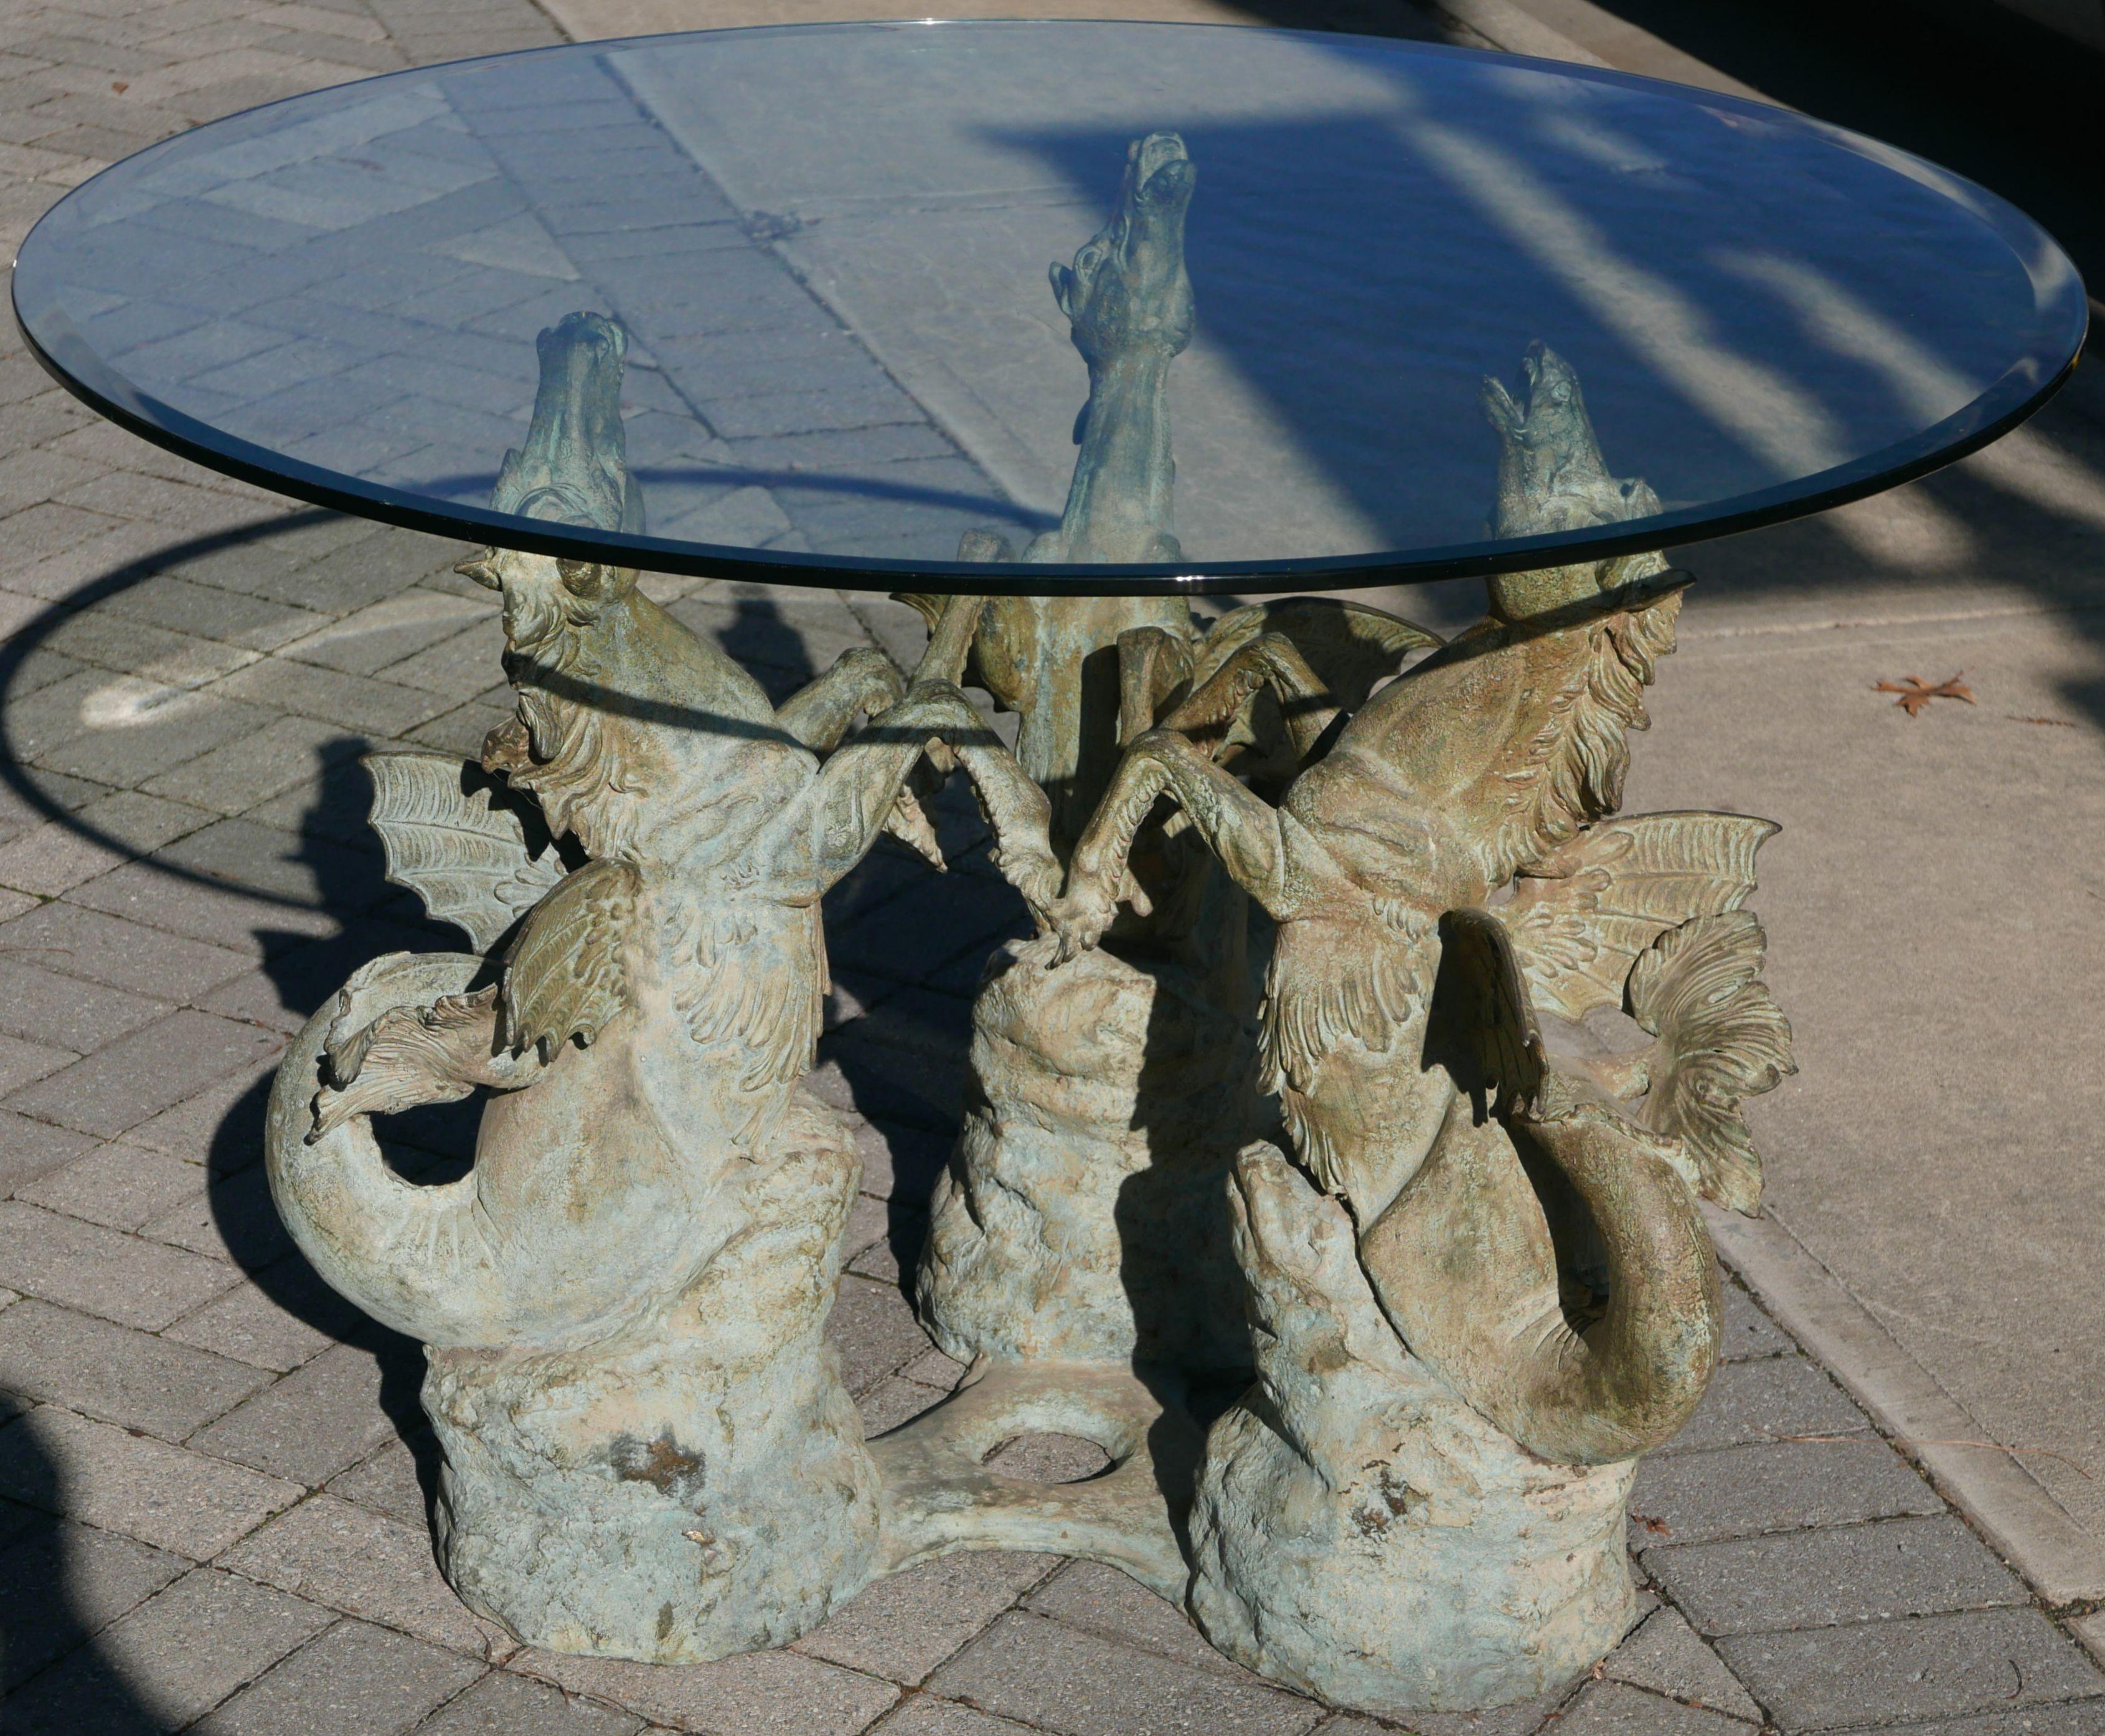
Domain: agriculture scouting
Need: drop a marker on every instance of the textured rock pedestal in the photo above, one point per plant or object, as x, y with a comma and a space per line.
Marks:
1361, 1534
1085, 1216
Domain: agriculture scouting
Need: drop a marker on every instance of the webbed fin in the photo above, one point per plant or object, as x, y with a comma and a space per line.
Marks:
462, 851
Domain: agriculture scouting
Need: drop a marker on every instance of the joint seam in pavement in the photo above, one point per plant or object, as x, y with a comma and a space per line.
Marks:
1988, 1485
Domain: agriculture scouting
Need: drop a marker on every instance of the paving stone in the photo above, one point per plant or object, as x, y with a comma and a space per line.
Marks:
298, 981
1665, 1655
912, 937
353, 1559
101, 1271
303, 870
762, 1693
869, 1218
357, 703
1818, 1578
23, 1063
935, 1369
354, 1680
54, 858
395, 632
1042, 1673
120, 1186
900, 1162
892, 1402
31, 1149
123, 753
232, 778
894, 1067
220, 1128
110, 1372
501, 1704
892, 1255
2080, 1719
453, 665
875, 1331
118, 1481
233, 1221
364, 564
902, 1627
388, 1482
1610, 1709
1524, 1720
42, 1003
61, 1583
1773, 1399
923, 1716
47, 704
1101, 1600
254, 1323
140, 1075
229, 617
89, 945
167, 1661
103, 639
229, 919
1738, 1491
1925, 1667
1049, 1458
316, 1422
464, 729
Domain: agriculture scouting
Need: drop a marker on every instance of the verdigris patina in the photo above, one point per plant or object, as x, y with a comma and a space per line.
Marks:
1476, 1290
1420, 1505
1083, 1216
648, 1449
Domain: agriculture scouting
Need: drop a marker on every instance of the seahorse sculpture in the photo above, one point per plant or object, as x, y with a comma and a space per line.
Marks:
649, 1452
1083, 1217
1420, 1506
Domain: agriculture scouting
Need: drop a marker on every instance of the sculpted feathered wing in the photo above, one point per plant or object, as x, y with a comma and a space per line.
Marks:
564, 977
1350, 646
1580, 917
467, 857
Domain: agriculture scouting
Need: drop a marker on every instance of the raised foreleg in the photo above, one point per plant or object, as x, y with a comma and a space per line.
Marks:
1273, 660
1153, 665
861, 682
856, 786
1245, 832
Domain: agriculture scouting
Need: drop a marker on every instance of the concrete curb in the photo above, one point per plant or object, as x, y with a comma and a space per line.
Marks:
2064, 1563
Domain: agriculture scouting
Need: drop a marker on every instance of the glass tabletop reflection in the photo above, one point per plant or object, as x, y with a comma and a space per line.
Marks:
826, 248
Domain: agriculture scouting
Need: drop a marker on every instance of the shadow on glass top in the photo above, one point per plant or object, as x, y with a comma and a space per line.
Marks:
827, 248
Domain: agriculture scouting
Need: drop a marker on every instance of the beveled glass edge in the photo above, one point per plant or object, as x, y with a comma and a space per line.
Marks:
2012, 398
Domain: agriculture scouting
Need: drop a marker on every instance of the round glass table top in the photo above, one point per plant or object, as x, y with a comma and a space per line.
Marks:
821, 256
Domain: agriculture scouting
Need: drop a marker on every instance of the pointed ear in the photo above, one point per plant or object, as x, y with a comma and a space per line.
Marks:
482, 568
504, 490
596, 582
974, 545
1063, 288
1499, 407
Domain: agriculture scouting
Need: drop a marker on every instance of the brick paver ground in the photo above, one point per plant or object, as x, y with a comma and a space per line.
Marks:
214, 1484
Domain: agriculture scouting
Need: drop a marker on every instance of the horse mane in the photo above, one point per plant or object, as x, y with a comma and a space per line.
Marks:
1572, 771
